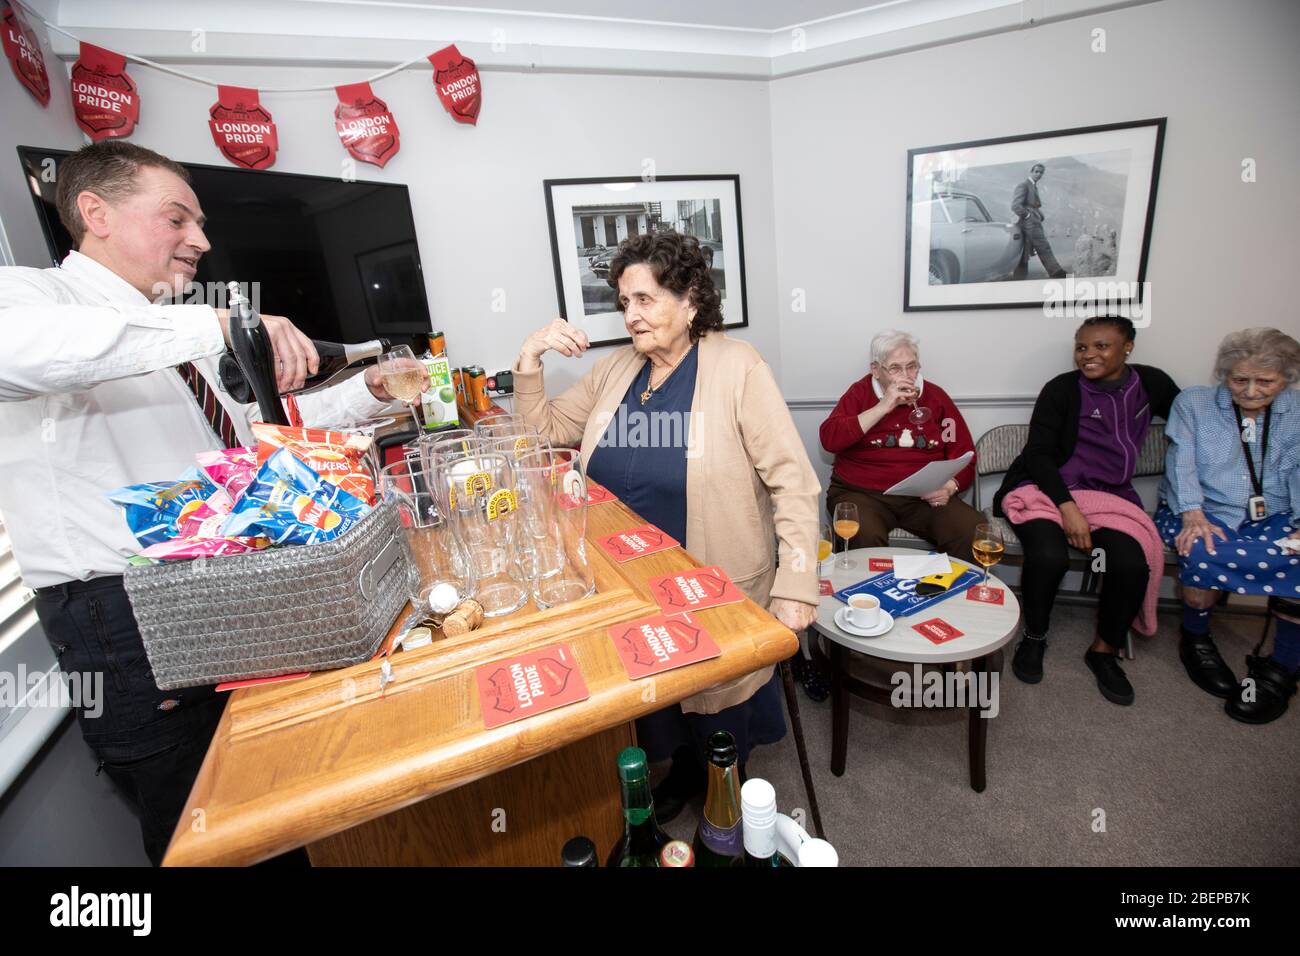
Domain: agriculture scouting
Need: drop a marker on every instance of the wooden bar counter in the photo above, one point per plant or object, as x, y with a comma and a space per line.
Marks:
408, 775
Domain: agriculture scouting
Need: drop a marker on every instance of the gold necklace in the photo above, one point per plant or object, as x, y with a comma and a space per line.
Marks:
645, 396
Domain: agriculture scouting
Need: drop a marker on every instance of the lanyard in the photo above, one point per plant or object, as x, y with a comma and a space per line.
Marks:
1257, 482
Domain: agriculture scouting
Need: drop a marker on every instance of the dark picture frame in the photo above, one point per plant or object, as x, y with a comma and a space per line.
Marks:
587, 218
966, 247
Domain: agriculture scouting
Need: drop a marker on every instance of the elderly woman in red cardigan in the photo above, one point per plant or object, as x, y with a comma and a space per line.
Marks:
876, 445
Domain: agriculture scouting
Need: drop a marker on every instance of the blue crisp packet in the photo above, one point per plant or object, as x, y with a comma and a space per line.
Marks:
154, 509
290, 503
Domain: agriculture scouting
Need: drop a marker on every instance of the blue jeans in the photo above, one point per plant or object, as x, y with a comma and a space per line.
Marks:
150, 742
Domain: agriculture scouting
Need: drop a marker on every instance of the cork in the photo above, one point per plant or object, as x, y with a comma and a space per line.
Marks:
467, 617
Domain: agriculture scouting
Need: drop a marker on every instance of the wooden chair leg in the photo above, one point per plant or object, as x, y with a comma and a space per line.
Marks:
796, 727
978, 734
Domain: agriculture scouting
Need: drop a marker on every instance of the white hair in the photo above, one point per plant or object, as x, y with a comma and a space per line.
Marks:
885, 343
1268, 348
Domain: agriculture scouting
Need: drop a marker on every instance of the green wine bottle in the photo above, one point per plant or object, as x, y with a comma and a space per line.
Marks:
718, 838
642, 836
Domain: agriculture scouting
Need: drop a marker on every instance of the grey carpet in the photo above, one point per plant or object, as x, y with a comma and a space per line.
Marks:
1180, 783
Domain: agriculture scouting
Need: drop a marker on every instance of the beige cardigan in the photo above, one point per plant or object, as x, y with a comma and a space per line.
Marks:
749, 483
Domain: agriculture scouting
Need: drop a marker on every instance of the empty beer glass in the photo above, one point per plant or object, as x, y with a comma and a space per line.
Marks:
439, 572
553, 516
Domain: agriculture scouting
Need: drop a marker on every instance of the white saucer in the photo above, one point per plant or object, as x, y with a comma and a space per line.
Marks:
842, 622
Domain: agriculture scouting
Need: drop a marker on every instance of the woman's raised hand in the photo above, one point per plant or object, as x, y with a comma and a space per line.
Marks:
562, 336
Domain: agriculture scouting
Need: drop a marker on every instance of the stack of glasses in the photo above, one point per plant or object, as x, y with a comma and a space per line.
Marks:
495, 514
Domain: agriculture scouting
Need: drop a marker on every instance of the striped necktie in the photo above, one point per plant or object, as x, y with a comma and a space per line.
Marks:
213, 411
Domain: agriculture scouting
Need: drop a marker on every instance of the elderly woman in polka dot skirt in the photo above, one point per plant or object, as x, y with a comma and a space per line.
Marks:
1230, 506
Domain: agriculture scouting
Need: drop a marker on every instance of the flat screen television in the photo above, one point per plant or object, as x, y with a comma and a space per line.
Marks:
340, 259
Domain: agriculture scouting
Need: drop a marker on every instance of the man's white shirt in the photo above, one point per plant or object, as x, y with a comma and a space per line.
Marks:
90, 400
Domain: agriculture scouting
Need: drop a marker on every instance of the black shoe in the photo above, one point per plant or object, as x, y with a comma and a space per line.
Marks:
1112, 683
809, 676
1028, 662
686, 780
1273, 688
1205, 666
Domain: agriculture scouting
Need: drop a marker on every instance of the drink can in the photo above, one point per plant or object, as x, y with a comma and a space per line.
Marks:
478, 395
437, 344
458, 383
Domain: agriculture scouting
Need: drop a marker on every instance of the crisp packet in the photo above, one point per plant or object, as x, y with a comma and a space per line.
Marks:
231, 469
154, 509
178, 548
339, 456
205, 521
289, 503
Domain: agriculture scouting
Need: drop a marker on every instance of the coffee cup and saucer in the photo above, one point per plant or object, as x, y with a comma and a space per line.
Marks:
864, 617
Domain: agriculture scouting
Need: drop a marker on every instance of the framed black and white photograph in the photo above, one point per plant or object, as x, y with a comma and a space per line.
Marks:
1009, 222
588, 218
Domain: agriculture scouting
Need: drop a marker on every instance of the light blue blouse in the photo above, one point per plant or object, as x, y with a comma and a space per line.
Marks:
1205, 467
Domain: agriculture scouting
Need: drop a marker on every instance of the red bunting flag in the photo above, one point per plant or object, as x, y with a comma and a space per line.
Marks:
242, 128
104, 98
365, 124
24, 53
456, 78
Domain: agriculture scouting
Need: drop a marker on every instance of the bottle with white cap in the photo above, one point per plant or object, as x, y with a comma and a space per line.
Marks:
758, 810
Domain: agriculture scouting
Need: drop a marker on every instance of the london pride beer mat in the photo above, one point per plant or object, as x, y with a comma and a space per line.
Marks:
637, 543
694, 590
661, 642
529, 684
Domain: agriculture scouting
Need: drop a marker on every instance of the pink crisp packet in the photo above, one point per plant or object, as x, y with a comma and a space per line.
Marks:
176, 549
205, 520
231, 468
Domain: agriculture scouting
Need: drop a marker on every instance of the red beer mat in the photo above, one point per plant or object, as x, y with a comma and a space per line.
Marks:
598, 494
880, 564
529, 684
255, 681
661, 642
995, 595
937, 630
626, 545
694, 590
825, 587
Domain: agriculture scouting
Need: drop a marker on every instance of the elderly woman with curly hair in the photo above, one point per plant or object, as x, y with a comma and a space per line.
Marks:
1230, 506
740, 480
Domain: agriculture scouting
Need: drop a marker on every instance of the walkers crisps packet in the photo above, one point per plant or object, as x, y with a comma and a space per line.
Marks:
289, 503
232, 469
338, 456
154, 510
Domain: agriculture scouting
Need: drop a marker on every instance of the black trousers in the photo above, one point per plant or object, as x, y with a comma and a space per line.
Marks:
150, 742
1047, 558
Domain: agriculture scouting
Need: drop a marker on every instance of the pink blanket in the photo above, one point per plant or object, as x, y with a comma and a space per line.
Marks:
1103, 510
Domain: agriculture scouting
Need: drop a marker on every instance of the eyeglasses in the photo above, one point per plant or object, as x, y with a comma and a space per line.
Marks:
911, 368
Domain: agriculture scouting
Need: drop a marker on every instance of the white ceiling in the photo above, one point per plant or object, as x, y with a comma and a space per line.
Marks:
743, 39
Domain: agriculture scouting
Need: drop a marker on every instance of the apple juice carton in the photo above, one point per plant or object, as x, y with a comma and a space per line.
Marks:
440, 400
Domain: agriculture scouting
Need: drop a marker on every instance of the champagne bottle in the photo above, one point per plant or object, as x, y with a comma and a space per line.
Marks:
253, 359
579, 852
642, 836
335, 359
758, 811
718, 839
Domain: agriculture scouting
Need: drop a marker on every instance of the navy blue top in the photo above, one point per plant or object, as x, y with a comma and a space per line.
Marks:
642, 455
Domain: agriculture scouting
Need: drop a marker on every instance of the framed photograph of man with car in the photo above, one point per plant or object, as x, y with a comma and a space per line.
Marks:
1005, 223
588, 218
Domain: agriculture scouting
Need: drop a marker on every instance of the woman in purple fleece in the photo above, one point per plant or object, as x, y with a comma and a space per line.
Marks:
1086, 433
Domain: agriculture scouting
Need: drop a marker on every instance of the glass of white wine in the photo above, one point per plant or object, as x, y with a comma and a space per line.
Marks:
404, 376
988, 548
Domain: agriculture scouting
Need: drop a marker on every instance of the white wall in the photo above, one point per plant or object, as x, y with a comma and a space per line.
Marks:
476, 192
1222, 253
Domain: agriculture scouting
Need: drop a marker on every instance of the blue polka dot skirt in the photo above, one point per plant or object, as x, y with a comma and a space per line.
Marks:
1248, 562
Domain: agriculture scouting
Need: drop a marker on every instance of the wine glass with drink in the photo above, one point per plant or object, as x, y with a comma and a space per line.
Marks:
846, 527
988, 548
824, 547
404, 376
